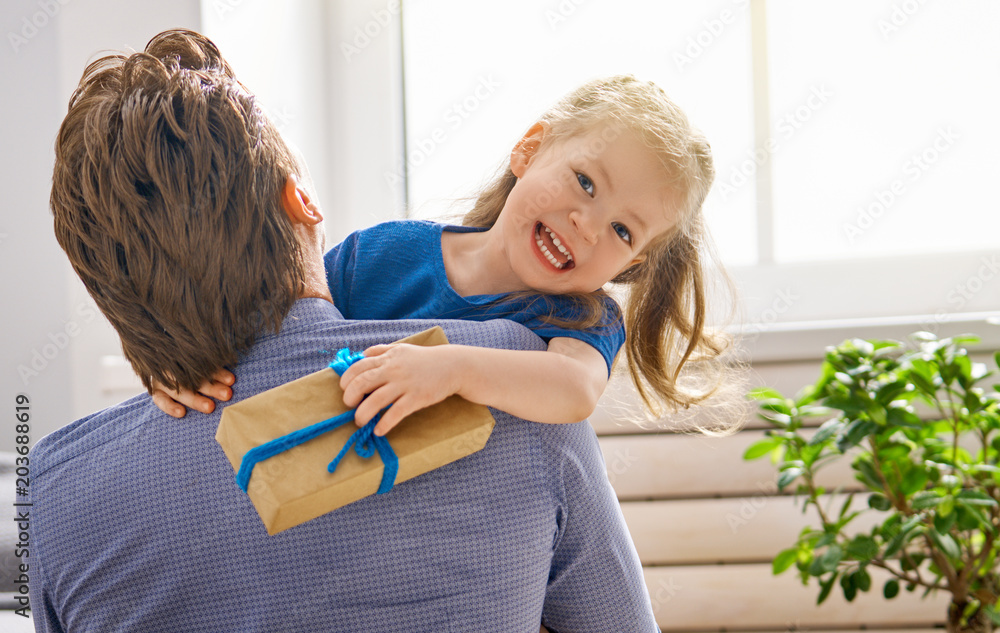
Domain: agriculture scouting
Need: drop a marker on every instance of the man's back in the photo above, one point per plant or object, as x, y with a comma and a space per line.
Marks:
137, 523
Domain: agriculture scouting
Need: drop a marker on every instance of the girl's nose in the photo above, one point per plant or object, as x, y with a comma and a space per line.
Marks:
585, 225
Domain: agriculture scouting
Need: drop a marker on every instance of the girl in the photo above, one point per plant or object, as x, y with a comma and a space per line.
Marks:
606, 187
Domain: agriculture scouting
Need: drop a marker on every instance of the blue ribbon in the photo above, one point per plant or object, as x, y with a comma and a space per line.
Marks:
364, 440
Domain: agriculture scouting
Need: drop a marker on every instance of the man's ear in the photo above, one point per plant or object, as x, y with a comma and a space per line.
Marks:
527, 148
299, 206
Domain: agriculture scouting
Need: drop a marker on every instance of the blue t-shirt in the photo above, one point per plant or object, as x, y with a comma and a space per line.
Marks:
395, 270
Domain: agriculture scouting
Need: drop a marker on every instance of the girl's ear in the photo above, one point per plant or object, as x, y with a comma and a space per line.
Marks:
634, 263
298, 204
629, 272
527, 148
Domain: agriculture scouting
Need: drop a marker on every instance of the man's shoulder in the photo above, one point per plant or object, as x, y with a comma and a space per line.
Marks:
310, 333
90, 432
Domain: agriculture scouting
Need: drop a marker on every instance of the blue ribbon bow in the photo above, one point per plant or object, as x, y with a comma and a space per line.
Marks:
364, 440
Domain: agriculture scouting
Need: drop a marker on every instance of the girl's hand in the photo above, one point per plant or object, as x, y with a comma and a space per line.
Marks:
409, 377
173, 403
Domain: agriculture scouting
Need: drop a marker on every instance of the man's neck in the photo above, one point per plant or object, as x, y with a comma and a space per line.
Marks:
315, 278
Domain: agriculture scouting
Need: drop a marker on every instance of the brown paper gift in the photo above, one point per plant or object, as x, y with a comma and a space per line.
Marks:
294, 486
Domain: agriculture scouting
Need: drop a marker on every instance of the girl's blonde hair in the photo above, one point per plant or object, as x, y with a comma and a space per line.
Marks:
665, 310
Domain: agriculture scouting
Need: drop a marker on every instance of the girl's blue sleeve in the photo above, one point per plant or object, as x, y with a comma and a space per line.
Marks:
607, 338
339, 263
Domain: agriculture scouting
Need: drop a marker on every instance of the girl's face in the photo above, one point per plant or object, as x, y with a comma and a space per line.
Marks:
583, 210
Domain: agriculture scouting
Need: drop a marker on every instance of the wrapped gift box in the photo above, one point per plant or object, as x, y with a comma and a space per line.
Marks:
294, 486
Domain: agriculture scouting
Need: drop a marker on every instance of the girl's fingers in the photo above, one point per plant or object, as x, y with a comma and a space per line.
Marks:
168, 405
188, 399
218, 386
224, 376
353, 371
352, 388
360, 378
196, 402
396, 414
375, 402
375, 350
173, 402
215, 390
223, 393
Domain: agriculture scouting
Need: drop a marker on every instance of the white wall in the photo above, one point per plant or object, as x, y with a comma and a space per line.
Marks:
32, 273
48, 322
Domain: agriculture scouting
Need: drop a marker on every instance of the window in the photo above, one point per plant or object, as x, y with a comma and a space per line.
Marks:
888, 113
853, 142
480, 88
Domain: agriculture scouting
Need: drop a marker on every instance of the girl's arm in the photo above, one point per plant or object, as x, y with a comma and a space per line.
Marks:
560, 385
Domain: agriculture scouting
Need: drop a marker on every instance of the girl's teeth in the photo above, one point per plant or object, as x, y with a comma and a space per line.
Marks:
558, 244
548, 254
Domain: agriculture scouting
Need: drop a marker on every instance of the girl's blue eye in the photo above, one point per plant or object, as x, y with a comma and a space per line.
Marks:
586, 183
622, 231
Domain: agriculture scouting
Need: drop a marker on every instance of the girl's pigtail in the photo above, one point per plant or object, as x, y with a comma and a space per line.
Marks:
674, 360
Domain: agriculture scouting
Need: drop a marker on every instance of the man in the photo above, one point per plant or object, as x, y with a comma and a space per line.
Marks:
178, 205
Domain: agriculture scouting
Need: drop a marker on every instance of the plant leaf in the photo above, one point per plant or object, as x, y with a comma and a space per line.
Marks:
825, 587
973, 515
965, 339
992, 613
863, 579
915, 479
903, 417
900, 538
831, 557
878, 501
946, 544
765, 393
826, 430
788, 476
862, 547
849, 587
761, 447
891, 589
856, 431
976, 498
924, 500
846, 506
943, 521
868, 474
784, 560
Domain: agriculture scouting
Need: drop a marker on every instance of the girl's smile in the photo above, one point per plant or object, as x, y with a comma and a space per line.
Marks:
551, 248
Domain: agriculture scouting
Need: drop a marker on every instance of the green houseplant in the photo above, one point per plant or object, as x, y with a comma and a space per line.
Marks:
923, 440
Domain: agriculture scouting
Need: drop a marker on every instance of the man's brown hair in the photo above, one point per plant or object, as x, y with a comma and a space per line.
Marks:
166, 194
